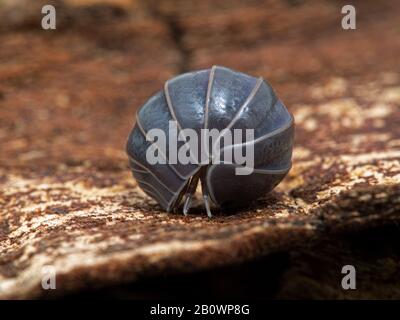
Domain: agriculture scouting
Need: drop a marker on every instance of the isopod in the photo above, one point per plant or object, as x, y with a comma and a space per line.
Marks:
222, 99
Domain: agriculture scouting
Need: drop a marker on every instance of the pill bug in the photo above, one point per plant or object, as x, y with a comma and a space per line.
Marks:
217, 98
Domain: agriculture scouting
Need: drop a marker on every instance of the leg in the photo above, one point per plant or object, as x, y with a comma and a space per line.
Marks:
190, 192
206, 197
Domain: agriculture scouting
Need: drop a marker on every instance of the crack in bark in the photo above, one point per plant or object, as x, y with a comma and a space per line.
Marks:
176, 32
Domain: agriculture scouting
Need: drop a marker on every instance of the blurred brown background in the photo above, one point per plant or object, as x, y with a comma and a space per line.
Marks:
67, 103
79, 85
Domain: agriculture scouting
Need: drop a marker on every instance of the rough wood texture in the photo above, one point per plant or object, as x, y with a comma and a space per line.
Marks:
68, 99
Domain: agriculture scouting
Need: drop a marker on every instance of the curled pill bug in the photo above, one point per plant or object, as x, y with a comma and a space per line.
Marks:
241, 140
